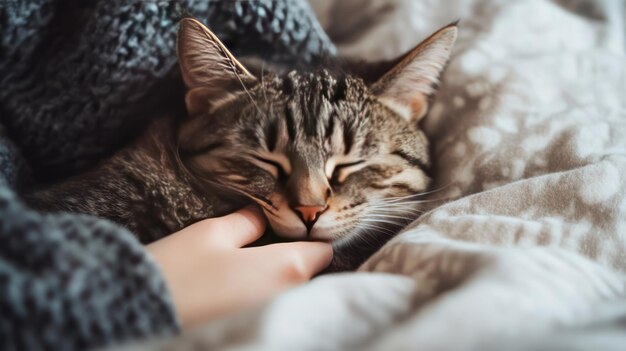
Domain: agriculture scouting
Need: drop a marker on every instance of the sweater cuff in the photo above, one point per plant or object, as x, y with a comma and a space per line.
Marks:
73, 281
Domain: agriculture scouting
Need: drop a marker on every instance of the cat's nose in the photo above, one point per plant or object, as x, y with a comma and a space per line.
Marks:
310, 214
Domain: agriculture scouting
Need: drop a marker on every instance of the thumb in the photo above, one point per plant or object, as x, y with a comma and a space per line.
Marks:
237, 229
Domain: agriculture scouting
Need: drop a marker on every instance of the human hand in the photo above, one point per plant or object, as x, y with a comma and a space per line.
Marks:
210, 274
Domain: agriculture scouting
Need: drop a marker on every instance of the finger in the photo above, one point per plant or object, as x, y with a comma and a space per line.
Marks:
301, 260
237, 229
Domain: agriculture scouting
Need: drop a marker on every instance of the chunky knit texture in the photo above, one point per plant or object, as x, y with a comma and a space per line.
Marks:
79, 79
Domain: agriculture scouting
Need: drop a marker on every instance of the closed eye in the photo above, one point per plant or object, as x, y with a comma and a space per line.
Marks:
279, 170
202, 150
341, 171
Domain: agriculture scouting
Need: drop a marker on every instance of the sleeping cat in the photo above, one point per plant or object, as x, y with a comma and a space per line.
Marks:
325, 156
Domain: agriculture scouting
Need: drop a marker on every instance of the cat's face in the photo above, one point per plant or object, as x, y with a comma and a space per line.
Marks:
325, 156
321, 155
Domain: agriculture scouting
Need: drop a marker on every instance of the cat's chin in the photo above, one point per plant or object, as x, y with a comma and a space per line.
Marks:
300, 233
289, 232
321, 234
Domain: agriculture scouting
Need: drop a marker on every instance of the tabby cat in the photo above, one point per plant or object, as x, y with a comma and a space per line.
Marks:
326, 156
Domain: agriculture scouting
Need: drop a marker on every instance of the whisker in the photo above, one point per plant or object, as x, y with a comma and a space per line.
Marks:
391, 201
432, 191
258, 199
395, 210
380, 216
378, 228
379, 221
245, 89
408, 206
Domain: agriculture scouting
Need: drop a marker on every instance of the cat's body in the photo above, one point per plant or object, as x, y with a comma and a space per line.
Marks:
326, 156
141, 187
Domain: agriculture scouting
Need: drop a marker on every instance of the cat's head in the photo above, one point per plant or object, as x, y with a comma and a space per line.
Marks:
326, 156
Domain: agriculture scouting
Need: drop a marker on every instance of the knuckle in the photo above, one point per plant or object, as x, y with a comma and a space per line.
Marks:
213, 225
295, 269
209, 231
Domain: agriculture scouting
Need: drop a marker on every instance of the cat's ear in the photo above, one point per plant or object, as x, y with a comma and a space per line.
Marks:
210, 72
406, 88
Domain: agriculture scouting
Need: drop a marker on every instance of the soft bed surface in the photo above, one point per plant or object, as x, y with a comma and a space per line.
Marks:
524, 243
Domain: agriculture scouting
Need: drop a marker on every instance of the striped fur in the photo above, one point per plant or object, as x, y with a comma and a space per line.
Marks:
327, 157
302, 131
283, 141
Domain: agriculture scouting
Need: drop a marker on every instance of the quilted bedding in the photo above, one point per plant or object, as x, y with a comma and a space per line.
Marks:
524, 243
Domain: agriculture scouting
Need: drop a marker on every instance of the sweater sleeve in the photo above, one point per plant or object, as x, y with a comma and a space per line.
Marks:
73, 282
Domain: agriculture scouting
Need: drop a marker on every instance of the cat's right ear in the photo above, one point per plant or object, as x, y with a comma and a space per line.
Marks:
210, 72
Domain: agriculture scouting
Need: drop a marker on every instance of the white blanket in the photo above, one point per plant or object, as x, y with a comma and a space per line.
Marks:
528, 250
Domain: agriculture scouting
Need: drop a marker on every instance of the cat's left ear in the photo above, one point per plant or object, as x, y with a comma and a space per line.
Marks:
211, 73
407, 87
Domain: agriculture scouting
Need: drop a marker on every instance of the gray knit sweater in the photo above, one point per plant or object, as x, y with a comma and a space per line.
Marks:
78, 79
